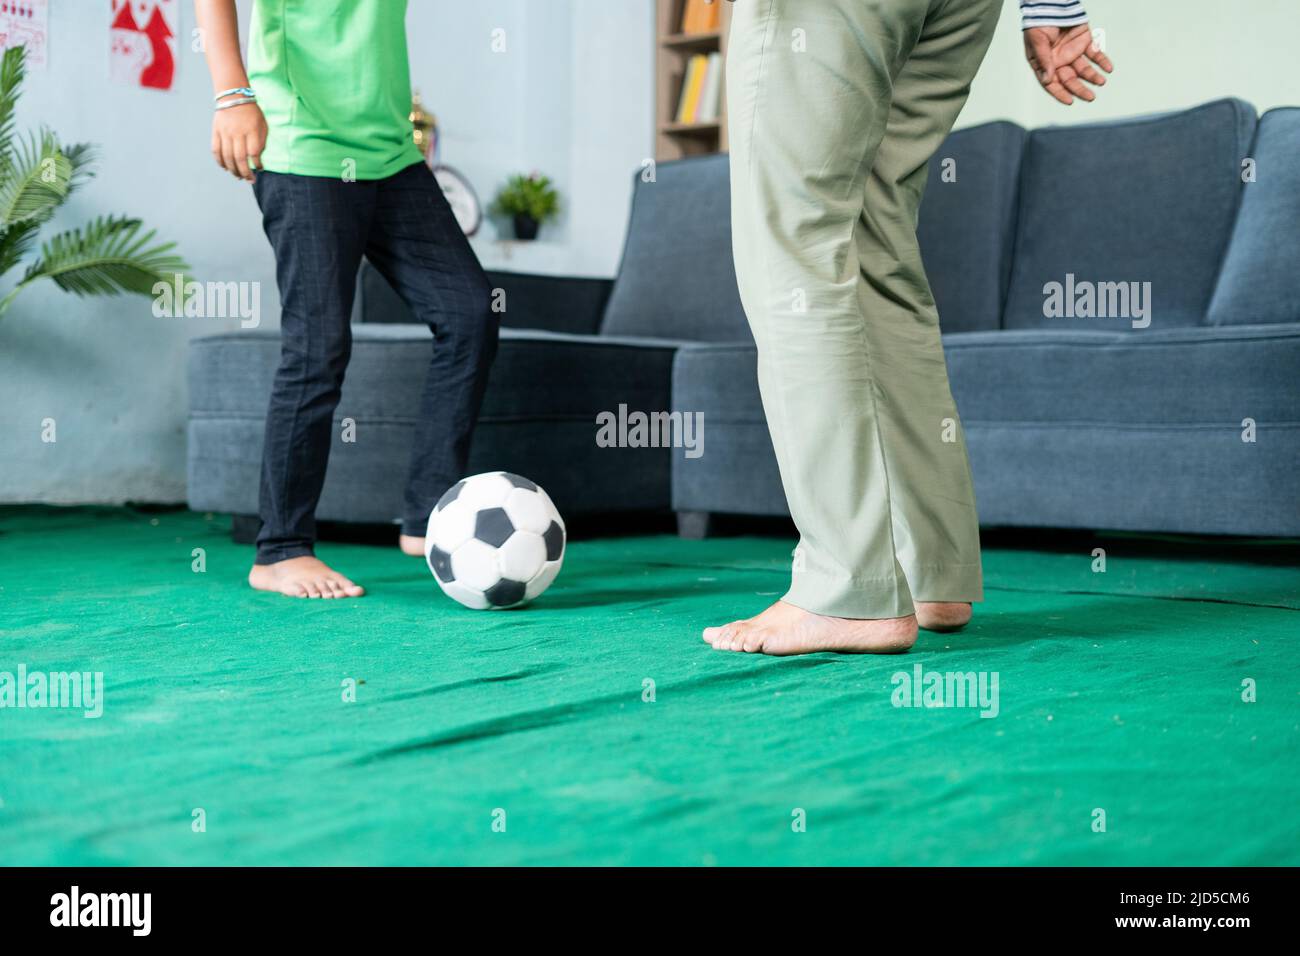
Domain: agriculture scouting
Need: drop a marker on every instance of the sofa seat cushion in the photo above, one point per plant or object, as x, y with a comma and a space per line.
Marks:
1193, 430
737, 471
1198, 376
1180, 376
1140, 432
1134, 431
537, 374
538, 419
1148, 200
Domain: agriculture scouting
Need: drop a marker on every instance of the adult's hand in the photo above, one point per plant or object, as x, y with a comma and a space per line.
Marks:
1062, 59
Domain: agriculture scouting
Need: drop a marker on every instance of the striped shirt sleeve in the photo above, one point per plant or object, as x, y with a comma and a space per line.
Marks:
1041, 13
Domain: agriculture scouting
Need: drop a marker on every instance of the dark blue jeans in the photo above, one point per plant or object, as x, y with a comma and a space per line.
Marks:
320, 228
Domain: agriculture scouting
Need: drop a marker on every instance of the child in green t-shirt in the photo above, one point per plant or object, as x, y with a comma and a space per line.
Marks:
319, 125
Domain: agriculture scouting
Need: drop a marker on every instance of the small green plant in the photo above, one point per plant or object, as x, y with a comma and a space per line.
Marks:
532, 196
107, 255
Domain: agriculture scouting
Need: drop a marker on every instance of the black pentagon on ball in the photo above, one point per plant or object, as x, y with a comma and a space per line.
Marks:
493, 526
450, 495
554, 538
505, 593
518, 482
440, 561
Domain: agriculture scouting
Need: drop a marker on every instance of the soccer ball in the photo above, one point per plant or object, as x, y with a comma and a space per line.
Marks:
494, 541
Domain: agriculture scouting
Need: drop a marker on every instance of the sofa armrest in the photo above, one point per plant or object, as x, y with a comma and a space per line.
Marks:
551, 303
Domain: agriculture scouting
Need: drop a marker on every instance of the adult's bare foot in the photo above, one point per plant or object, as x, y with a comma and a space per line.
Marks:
785, 629
304, 577
942, 615
411, 545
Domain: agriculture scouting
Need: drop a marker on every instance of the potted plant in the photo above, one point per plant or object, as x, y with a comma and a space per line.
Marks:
530, 200
37, 175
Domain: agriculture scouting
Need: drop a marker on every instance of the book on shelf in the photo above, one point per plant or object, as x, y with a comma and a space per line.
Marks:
711, 93
701, 16
692, 86
701, 97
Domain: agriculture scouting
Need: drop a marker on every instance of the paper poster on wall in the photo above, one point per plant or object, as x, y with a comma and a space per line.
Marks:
143, 38
26, 23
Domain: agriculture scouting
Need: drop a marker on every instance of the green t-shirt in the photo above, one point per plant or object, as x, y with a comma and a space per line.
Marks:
333, 79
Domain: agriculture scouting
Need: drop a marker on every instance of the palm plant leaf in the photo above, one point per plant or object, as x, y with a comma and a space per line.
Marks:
12, 67
16, 242
81, 157
108, 256
34, 180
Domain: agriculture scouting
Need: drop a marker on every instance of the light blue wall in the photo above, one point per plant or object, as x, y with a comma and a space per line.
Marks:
571, 96
112, 376
1168, 54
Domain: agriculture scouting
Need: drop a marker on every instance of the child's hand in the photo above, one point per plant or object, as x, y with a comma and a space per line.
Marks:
238, 138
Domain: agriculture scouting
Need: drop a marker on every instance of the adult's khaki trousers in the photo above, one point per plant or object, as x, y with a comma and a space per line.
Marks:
835, 109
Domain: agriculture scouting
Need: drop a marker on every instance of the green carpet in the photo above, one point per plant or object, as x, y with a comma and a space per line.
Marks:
1119, 691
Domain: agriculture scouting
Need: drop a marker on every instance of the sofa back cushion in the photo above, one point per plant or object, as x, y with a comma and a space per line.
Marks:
677, 279
1260, 280
967, 224
1107, 208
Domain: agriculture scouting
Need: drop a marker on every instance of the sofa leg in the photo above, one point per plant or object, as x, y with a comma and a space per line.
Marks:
244, 528
694, 525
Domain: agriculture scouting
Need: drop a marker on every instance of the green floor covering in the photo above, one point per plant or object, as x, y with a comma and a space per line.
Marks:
1119, 691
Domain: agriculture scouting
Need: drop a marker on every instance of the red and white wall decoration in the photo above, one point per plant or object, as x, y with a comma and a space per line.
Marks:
27, 22
143, 38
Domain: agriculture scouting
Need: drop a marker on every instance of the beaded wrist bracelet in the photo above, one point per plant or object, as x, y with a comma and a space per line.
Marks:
240, 102
235, 91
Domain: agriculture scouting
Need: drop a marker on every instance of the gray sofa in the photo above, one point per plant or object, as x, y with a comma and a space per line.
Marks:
570, 350
1070, 422
1090, 422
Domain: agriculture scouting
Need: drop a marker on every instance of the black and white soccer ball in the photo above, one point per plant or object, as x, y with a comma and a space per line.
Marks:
494, 541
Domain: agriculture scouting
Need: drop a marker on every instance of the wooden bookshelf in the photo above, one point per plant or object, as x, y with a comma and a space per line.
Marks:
673, 49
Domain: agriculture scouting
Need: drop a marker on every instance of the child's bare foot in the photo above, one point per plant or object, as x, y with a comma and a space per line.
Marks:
786, 629
411, 545
305, 577
942, 615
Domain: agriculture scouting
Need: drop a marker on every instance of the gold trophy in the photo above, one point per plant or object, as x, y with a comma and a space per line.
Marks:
460, 194
425, 127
